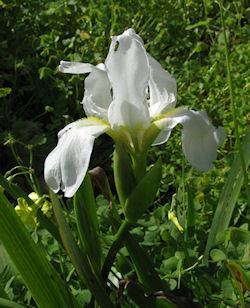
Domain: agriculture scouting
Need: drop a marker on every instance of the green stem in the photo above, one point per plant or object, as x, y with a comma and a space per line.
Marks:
116, 246
139, 165
19, 162
234, 107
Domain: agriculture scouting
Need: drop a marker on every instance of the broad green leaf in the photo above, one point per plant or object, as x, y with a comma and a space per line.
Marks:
87, 224
144, 193
238, 235
217, 255
45, 285
228, 197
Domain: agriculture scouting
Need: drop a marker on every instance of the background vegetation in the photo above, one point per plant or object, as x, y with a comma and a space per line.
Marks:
36, 101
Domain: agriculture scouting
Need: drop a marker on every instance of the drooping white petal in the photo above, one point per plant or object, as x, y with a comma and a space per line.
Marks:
200, 139
97, 94
162, 88
74, 161
52, 169
128, 71
75, 67
66, 166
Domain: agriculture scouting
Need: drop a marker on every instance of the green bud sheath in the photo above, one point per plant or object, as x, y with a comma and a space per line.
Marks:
123, 173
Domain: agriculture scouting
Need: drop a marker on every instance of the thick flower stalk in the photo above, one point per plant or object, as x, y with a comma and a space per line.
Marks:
131, 98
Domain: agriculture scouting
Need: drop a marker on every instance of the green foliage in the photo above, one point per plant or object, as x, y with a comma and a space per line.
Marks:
87, 224
36, 101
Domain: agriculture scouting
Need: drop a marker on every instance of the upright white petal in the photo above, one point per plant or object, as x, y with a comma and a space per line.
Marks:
128, 71
66, 166
200, 139
75, 67
97, 94
162, 88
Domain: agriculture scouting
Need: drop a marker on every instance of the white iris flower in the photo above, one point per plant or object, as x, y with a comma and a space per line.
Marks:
132, 98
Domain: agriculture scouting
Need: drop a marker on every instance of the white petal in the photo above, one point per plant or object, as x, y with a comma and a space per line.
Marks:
75, 67
66, 166
128, 71
162, 137
200, 139
162, 88
97, 94
131, 32
52, 170
74, 160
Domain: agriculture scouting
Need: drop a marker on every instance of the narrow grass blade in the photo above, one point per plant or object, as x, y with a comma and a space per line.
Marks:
3, 294
87, 224
45, 285
228, 196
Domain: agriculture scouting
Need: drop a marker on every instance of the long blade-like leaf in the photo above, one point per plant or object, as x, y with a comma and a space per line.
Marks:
45, 285
87, 224
7, 303
228, 197
78, 258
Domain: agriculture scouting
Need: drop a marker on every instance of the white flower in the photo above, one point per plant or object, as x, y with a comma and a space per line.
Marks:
132, 98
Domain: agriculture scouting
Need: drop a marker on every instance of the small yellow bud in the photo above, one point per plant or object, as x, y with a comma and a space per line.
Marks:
26, 213
33, 196
172, 217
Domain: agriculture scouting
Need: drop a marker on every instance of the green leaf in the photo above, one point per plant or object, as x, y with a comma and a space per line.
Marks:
78, 258
143, 265
228, 197
201, 23
49, 225
44, 72
7, 303
238, 235
241, 276
217, 255
144, 193
45, 285
87, 224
